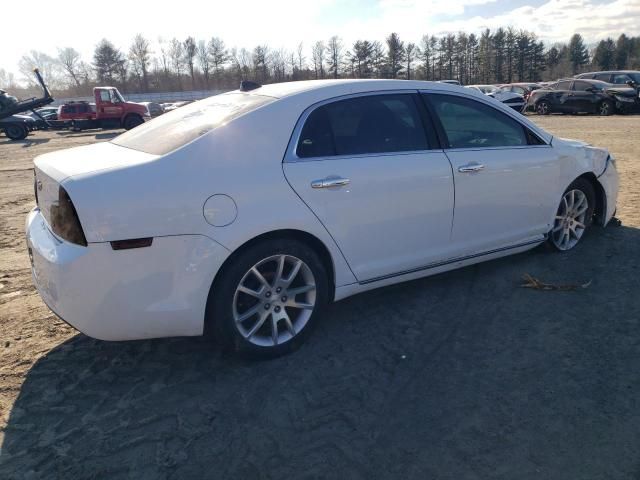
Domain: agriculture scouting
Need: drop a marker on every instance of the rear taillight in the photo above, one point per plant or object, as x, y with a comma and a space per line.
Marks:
35, 187
64, 220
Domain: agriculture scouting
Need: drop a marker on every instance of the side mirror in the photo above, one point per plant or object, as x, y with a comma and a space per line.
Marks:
631, 83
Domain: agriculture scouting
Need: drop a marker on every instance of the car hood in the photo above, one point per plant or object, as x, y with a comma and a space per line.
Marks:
89, 159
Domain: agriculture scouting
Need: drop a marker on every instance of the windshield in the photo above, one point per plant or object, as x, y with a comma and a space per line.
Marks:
182, 125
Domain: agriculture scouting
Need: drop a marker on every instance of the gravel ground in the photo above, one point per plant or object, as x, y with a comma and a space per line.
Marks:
464, 375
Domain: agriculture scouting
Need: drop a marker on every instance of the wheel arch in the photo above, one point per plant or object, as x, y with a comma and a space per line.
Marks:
601, 197
304, 237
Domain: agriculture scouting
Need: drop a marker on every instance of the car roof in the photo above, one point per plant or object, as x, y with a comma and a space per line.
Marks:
346, 86
610, 72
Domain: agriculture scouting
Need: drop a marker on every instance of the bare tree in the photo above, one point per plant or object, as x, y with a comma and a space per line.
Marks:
202, 55
176, 57
70, 61
47, 65
190, 50
318, 52
301, 57
140, 56
410, 55
335, 55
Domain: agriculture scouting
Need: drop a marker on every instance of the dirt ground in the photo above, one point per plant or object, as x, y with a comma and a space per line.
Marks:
461, 375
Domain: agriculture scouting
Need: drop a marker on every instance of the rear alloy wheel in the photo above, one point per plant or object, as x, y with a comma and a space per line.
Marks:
268, 298
605, 108
16, 132
543, 108
574, 215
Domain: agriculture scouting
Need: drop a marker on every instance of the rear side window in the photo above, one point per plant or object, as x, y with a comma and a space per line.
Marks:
363, 125
182, 125
104, 96
581, 86
471, 124
605, 77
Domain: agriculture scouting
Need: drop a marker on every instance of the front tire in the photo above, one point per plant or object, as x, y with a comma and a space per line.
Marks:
574, 215
267, 299
605, 108
543, 108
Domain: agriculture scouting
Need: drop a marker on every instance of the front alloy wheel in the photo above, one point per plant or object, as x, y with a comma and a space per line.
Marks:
574, 215
543, 108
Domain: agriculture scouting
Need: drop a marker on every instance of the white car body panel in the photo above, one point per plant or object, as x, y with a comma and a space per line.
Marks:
395, 214
402, 217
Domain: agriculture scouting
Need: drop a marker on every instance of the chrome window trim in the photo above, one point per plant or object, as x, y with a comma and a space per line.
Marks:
508, 111
291, 155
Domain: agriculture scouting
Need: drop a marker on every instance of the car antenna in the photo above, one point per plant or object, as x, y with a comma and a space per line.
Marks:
248, 85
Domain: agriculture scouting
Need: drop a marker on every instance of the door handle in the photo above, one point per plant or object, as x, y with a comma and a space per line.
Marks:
330, 182
472, 167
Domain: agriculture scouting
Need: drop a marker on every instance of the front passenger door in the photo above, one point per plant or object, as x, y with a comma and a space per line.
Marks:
505, 177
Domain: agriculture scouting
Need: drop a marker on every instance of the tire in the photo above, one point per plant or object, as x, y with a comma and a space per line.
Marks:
573, 217
242, 309
605, 108
16, 132
132, 121
543, 108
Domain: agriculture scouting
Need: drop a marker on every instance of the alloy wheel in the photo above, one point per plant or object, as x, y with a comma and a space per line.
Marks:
274, 300
604, 108
570, 221
543, 108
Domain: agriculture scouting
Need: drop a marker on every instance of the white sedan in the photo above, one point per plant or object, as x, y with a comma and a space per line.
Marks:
242, 215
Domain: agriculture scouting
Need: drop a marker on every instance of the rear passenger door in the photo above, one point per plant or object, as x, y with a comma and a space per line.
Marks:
371, 171
505, 177
582, 100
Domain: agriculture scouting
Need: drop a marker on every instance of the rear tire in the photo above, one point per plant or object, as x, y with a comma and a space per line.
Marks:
16, 132
268, 314
132, 121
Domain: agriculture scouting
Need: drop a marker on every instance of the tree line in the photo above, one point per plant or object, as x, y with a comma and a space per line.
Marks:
501, 56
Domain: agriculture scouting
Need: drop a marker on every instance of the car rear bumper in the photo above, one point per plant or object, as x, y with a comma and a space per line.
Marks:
157, 291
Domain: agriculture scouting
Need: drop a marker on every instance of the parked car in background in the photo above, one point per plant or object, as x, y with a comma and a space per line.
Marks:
450, 82
180, 227
617, 77
154, 109
511, 99
580, 96
76, 111
522, 88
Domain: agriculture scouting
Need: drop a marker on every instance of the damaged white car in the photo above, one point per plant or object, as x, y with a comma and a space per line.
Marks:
242, 215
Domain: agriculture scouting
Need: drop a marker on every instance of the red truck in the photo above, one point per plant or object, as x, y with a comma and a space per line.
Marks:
110, 111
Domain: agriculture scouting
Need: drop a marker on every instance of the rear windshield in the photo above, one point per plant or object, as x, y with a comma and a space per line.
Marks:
179, 127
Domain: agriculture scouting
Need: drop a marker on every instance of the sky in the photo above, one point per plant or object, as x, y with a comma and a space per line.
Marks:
284, 23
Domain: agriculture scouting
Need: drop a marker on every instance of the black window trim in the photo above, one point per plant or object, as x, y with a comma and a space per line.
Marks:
528, 132
433, 141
